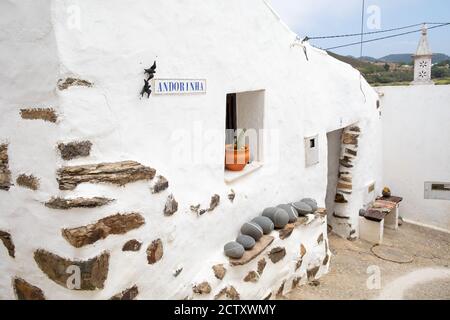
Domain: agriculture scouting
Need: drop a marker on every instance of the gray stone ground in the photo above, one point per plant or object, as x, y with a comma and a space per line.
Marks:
426, 277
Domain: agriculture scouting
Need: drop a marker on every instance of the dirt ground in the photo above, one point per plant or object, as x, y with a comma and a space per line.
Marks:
421, 270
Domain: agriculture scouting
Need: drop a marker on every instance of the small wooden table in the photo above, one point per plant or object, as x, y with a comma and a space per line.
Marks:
383, 213
391, 221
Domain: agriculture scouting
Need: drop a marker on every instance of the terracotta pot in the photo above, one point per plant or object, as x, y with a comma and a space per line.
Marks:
236, 160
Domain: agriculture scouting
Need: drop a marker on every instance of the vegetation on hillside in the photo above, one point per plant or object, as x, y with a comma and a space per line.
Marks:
382, 73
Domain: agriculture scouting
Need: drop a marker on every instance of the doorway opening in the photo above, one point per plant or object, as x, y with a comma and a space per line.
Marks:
334, 154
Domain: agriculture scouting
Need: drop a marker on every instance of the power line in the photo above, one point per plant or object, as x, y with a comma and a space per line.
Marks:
374, 32
387, 37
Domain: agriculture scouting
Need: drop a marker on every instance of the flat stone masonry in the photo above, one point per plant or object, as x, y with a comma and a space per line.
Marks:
66, 204
28, 181
155, 251
128, 294
26, 291
8, 243
119, 173
93, 272
74, 150
117, 224
5, 174
46, 114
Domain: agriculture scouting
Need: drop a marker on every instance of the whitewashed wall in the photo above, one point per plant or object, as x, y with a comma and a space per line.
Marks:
237, 46
416, 148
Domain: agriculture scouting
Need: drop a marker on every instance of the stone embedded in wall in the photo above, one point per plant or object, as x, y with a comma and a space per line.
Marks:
302, 250
340, 198
66, 83
281, 289
268, 297
8, 243
66, 204
354, 129
219, 271
119, 173
350, 138
344, 186
195, 208
261, 266
177, 272
93, 272
202, 288
249, 255
252, 276
161, 184
277, 254
75, 149
322, 212
215, 201
128, 294
351, 152
132, 245
345, 179
171, 206
296, 282
117, 224
228, 293
335, 215
155, 251
231, 196
312, 272
326, 259
46, 114
28, 181
298, 264
5, 174
346, 163
286, 232
26, 291
320, 239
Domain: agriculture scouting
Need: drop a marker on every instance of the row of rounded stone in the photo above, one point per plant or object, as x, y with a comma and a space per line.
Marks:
271, 218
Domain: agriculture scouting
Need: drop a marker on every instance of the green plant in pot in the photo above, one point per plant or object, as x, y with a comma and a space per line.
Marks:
237, 155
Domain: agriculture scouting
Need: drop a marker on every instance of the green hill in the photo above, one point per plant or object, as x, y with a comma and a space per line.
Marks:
407, 58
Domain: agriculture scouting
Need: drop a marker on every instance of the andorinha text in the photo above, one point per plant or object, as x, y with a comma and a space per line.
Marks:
226, 310
180, 86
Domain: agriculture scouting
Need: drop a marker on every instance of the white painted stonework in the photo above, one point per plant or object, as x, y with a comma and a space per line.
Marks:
236, 46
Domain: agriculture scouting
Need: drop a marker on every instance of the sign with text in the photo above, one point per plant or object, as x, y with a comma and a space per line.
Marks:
179, 86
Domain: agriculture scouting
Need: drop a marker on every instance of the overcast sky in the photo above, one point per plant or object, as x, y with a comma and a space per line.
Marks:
329, 17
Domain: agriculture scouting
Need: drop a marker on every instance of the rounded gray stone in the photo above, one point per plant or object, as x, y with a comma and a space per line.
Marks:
302, 208
293, 214
234, 250
280, 218
246, 241
253, 230
269, 212
265, 223
311, 202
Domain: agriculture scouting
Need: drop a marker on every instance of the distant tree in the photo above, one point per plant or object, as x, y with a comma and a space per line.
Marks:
440, 72
387, 67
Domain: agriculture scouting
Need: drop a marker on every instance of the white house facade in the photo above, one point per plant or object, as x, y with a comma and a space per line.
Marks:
105, 192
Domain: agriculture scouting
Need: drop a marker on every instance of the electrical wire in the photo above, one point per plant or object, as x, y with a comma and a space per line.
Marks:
387, 37
362, 33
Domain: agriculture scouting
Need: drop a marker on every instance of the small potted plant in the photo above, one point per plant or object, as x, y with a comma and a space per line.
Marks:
237, 155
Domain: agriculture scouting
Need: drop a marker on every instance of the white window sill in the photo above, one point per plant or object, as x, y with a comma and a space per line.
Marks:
232, 176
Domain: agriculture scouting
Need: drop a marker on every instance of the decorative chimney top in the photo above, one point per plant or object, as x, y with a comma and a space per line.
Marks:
423, 60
